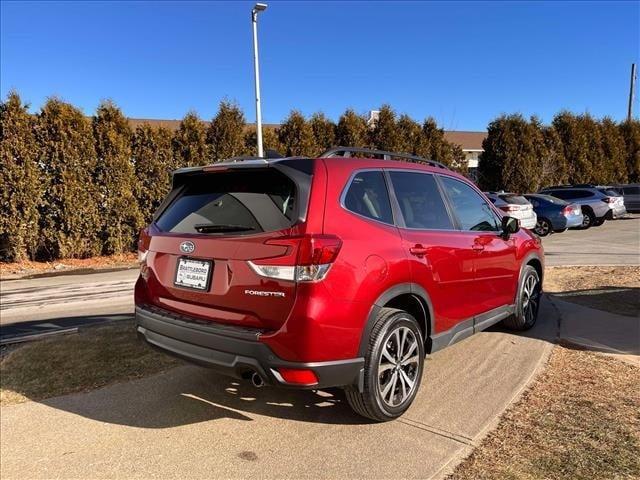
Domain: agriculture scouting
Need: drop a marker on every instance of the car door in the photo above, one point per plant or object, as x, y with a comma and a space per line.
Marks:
495, 266
440, 257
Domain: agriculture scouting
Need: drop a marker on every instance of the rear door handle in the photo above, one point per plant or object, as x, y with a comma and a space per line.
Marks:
418, 250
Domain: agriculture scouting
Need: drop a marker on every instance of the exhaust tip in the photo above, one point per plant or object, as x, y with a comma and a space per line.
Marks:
257, 380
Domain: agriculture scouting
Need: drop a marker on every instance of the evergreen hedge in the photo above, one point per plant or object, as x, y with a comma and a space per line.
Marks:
77, 187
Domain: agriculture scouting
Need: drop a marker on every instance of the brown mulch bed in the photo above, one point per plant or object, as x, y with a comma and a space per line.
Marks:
93, 358
612, 289
28, 267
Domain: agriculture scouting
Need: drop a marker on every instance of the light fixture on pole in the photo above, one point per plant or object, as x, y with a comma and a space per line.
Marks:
259, 7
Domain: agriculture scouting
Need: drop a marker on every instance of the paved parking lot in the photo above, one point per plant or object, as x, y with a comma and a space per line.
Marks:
616, 242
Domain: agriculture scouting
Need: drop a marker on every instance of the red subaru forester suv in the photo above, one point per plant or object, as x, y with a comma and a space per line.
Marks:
331, 272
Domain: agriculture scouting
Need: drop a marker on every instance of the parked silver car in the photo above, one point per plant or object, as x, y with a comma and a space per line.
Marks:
596, 205
515, 206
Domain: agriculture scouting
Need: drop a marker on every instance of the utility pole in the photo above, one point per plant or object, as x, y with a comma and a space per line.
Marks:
259, 7
632, 91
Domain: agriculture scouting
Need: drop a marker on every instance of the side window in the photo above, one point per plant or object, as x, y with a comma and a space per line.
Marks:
631, 190
565, 195
420, 201
582, 194
471, 209
368, 196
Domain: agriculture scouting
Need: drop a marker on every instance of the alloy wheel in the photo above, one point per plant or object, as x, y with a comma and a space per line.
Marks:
530, 299
542, 228
398, 367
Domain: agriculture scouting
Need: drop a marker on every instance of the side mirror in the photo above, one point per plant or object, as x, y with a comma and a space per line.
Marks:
510, 226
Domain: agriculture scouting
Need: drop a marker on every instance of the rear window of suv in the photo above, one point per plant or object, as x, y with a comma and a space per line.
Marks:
232, 203
514, 199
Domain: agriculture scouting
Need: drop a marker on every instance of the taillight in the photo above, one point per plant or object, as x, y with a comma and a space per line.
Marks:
609, 200
509, 208
144, 240
316, 253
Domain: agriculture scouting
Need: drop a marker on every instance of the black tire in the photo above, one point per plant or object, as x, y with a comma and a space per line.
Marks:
527, 302
543, 227
598, 222
588, 220
370, 403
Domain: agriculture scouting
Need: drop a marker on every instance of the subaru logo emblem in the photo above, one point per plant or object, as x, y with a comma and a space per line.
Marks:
187, 247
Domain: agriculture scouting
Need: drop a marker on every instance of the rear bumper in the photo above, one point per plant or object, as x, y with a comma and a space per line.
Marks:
235, 352
574, 221
529, 222
617, 212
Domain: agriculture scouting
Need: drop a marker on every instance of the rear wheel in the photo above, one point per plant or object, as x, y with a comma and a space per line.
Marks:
528, 301
587, 219
393, 367
598, 221
543, 227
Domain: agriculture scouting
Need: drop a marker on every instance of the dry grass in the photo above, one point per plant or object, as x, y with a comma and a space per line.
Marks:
612, 289
27, 267
75, 363
580, 420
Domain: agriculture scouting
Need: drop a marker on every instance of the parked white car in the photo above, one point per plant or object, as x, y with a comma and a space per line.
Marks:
515, 206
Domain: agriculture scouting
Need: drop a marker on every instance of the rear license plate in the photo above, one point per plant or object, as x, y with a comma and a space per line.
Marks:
193, 273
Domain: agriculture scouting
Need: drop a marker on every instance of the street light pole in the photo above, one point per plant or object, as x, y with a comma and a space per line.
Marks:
259, 7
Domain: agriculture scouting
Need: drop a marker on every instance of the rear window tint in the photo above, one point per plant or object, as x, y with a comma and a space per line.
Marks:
548, 198
571, 194
514, 199
232, 203
367, 196
609, 191
420, 201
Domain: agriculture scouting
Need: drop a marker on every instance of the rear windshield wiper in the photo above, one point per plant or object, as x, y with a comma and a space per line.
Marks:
211, 227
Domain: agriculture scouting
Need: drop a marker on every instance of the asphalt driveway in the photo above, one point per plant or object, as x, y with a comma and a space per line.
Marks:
615, 242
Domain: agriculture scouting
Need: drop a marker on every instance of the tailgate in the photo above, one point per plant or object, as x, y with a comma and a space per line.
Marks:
201, 243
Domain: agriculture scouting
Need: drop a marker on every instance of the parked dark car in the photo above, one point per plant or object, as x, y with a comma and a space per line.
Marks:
554, 214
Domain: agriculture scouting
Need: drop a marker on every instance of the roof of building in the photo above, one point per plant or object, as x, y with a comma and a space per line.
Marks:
467, 140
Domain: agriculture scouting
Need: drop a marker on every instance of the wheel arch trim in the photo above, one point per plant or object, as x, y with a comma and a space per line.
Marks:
388, 295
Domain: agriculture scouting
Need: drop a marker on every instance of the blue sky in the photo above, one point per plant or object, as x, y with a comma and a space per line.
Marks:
463, 63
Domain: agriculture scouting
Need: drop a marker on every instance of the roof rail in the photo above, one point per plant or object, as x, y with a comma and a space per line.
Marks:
348, 152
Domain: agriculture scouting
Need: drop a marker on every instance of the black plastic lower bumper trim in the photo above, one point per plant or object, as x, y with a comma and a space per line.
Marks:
235, 354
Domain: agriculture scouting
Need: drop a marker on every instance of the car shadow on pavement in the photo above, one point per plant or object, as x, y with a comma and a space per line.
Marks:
191, 394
